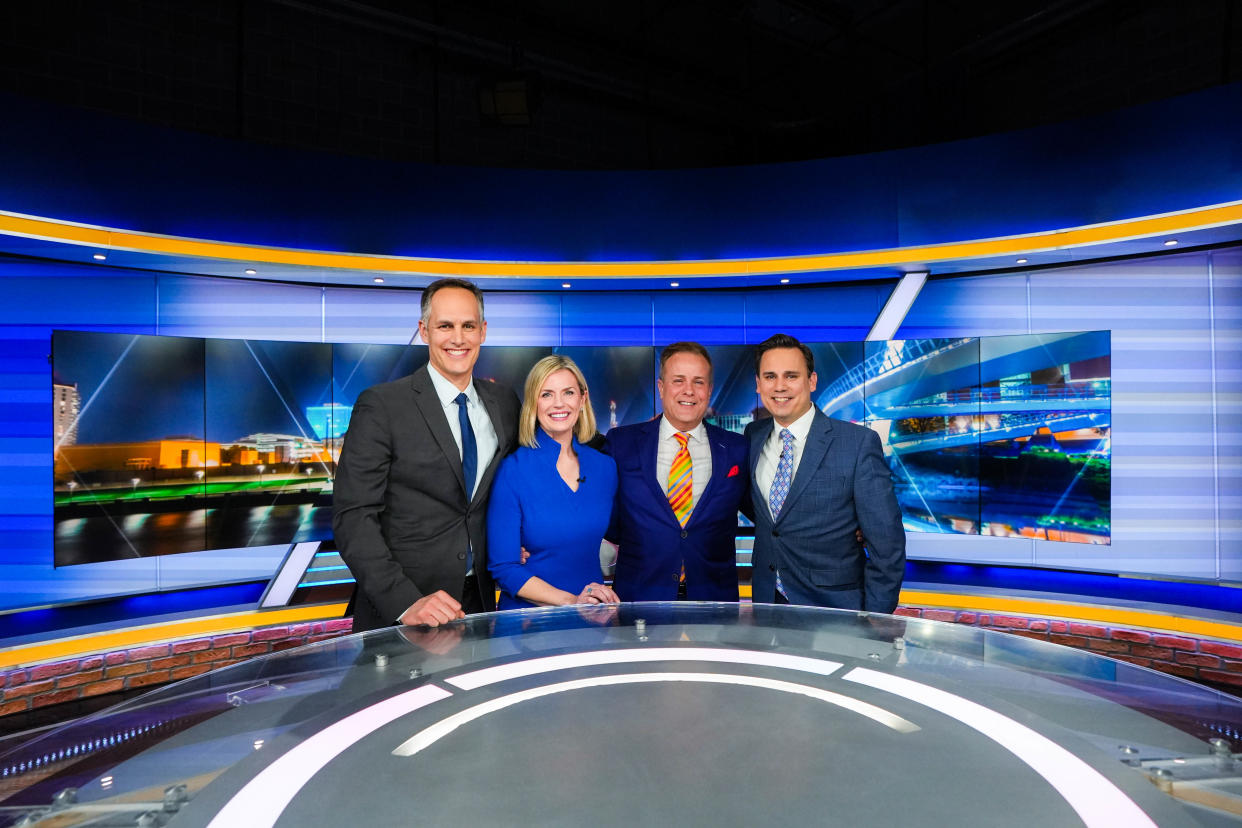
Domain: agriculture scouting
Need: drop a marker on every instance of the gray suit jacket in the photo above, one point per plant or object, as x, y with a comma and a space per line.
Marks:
400, 514
842, 484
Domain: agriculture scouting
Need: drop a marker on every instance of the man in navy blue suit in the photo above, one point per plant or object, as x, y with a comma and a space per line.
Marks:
818, 483
680, 485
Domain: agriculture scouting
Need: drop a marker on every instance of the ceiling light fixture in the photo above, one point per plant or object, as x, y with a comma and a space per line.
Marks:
1170, 242
250, 271
674, 284
379, 280
1021, 261
784, 281
100, 257
565, 284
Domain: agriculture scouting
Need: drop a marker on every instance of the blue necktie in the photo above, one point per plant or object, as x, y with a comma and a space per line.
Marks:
469, 448
784, 474
469, 461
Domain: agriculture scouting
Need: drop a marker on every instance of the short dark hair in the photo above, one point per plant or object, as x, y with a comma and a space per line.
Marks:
676, 348
439, 285
783, 341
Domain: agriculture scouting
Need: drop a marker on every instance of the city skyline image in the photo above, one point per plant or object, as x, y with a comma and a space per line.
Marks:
183, 444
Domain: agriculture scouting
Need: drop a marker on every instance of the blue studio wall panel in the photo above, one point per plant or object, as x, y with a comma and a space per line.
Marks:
1226, 297
1164, 479
983, 305
365, 315
524, 319
86, 298
718, 317
606, 319
239, 309
820, 314
1175, 386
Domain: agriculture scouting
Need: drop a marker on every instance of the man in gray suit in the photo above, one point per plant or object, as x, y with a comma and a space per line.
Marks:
817, 482
416, 467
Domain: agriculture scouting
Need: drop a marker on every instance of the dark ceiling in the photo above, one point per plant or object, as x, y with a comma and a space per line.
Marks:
612, 85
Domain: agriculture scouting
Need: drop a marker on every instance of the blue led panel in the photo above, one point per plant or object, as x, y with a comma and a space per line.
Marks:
228, 308
835, 314
706, 317
976, 306
370, 315
526, 319
605, 318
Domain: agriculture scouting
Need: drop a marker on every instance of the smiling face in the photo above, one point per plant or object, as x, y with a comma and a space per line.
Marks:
685, 387
783, 384
560, 400
453, 332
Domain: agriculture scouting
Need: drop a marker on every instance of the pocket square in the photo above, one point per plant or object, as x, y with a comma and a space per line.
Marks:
732, 472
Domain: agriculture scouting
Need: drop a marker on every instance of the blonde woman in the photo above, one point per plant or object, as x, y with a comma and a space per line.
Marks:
552, 496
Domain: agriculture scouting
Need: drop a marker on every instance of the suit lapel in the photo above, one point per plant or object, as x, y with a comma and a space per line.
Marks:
647, 457
437, 422
718, 470
499, 425
757, 438
817, 442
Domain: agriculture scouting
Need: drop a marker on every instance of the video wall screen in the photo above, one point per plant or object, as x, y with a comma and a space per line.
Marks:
166, 445
1004, 435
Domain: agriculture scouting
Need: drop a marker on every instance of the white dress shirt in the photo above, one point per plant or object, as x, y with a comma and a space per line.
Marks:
770, 456
485, 438
700, 457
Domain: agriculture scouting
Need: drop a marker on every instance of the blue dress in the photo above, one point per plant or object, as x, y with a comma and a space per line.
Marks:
531, 506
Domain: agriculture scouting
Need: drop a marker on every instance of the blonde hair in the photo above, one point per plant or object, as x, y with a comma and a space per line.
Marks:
584, 429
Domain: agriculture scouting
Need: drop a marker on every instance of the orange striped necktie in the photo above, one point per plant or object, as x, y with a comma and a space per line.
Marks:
680, 481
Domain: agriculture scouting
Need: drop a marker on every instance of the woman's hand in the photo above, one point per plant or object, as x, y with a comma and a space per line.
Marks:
594, 593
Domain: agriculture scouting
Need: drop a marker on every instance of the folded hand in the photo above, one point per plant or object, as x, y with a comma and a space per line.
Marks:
594, 593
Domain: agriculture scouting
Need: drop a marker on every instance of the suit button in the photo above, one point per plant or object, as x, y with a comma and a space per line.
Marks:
461, 556
684, 534
775, 534
771, 567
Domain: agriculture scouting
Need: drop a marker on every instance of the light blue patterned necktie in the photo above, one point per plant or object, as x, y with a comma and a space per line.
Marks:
784, 474
780, 488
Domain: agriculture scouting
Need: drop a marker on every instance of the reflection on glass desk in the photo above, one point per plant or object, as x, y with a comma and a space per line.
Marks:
720, 714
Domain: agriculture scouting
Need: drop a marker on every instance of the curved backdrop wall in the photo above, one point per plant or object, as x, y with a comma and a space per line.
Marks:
1177, 387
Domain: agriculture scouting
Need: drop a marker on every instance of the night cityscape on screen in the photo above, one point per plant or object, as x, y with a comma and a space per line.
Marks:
168, 444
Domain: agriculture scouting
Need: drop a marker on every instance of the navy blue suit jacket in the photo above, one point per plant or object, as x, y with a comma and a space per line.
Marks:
653, 545
842, 484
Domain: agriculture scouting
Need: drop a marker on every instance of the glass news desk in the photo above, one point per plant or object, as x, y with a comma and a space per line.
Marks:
649, 714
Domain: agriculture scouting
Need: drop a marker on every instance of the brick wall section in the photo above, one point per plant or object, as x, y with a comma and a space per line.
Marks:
1202, 660
41, 685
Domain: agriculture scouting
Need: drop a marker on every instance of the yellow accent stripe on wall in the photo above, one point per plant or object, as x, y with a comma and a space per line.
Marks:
16, 224
77, 646
1145, 619
1113, 616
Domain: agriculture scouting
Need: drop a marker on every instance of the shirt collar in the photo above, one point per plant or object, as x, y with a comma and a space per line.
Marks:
667, 430
447, 392
800, 427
